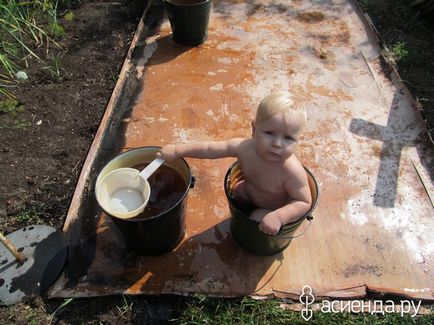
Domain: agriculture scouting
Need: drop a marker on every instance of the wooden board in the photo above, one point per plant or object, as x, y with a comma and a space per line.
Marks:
365, 143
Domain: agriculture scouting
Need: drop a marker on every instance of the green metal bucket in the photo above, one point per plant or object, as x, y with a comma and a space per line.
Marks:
189, 20
246, 232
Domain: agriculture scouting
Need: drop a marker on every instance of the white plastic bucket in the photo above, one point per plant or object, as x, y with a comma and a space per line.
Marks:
123, 193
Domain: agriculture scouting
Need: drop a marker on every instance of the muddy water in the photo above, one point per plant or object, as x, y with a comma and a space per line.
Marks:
167, 188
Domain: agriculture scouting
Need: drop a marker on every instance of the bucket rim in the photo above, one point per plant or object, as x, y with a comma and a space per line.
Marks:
175, 3
136, 219
129, 214
288, 226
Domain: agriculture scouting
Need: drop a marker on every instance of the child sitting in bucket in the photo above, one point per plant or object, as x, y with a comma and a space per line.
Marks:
274, 179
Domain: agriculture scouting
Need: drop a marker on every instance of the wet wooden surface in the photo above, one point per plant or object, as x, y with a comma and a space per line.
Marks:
365, 143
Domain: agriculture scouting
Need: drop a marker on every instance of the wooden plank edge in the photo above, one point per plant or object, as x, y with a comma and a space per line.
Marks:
97, 141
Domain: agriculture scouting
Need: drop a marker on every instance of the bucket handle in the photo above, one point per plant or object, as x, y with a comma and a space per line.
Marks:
308, 226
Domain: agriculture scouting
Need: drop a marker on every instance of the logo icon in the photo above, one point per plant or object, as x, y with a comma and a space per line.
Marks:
307, 299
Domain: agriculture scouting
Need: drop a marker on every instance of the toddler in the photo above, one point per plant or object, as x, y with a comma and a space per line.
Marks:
274, 179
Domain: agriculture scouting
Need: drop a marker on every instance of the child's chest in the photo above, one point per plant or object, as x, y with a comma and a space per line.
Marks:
269, 180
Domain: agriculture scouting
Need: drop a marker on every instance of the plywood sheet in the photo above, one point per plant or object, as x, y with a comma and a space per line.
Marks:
365, 143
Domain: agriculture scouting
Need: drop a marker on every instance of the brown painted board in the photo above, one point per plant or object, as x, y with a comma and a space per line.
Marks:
365, 143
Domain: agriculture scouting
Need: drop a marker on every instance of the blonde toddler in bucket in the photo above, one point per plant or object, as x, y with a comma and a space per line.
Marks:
274, 179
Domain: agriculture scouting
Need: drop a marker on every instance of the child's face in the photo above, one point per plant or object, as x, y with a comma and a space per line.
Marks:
277, 137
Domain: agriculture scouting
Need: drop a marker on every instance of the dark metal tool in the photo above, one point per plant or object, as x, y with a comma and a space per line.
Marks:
30, 261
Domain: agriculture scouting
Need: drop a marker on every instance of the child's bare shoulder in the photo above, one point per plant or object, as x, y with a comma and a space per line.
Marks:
237, 141
238, 144
294, 171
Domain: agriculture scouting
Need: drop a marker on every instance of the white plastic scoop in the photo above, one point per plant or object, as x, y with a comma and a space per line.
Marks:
124, 192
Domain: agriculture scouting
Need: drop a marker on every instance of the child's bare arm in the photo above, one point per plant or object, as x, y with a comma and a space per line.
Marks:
271, 225
202, 149
274, 220
298, 189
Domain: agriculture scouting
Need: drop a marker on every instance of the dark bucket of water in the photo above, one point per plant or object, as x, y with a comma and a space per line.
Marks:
189, 20
246, 232
161, 226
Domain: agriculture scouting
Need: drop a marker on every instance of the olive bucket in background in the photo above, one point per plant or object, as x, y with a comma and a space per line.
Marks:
246, 232
188, 20
157, 230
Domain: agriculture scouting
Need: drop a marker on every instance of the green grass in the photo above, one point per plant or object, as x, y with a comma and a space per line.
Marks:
10, 106
10, 109
25, 26
202, 310
18, 124
27, 217
125, 311
407, 34
69, 16
195, 310
399, 53
55, 68
65, 302
22, 216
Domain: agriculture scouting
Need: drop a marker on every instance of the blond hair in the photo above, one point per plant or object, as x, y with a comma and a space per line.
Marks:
280, 102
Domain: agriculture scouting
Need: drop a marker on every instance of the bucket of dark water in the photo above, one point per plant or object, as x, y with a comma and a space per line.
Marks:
246, 232
161, 226
189, 20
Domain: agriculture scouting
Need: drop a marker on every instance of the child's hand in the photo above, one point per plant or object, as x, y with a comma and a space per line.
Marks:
168, 152
270, 224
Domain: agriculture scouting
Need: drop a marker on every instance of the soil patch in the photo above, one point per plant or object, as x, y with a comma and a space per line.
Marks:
406, 36
44, 145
